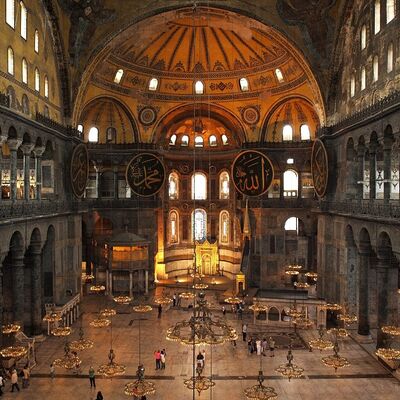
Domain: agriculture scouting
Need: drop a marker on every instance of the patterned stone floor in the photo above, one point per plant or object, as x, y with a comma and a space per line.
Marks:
232, 368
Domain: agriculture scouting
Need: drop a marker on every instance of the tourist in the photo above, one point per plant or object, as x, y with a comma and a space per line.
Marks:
25, 378
259, 347
159, 310
253, 345
162, 358
200, 361
92, 377
223, 311
14, 380
2, 380
157, 356
271, 347
244, 332
52, 371
264, 345
174, 300
204, 357
250, 345
99, 396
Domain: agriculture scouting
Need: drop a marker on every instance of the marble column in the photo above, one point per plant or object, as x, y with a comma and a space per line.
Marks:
27, 150
363, 269
360, 171
387, 169
3, 139
372, 171
18, 281
38, 152
36, 282
130, 284
13, 145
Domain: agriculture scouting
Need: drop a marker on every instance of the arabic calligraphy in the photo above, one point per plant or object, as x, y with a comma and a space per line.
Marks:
145, 174
79, 171
319, 167
252, 173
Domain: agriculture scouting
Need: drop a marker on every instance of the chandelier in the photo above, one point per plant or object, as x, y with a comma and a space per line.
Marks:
338, 332
312, 275
294, 267
81, 343
293, 312
87, 277
201, 329
303, 322
187, 295
100, 322
69, 361
233, 300
290, 370
142, 308
13, 352
389, 353
140, 387
111, 368
107, 312
97, 288
292, 272
321, 343
335, 360
52, 317
61, 331
9, 329
199, 383
391, 330
259, 391
348, 318
163, 300
331, 307
257, 307
122, 299
200, 286
301, 285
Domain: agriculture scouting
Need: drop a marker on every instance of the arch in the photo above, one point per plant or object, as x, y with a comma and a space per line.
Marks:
199, 186
199, 225
290, 183
224, 227
10, 61
173, 226
274, 314
224, 185
173, 186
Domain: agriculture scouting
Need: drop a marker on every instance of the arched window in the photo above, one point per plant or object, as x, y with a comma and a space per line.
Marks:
352, 86
305, 132
185, 140
363, 37
172, 140
46, 86
279, 75
390, 58
10, 61
37, 80
24, 19
36, 41
198, 141
173, 186
199, 87
173, 227
24, 71
80, 128
363, 78
111, 134
290, 161
287, 133
390, 10
224, 185
153, 84
199, 223
199, 186
292, 224
244, 84
212, 140
224, 139
93, 135
290, 183
224, 227
375, 72
118, 76
377, 16
10, 13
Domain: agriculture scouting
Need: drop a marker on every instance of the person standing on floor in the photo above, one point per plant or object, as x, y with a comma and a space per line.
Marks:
159, 310
52, 371
157, 356
92, 377
99, 396
244, 332
271, 347
162, 358
14, 380
259, 347
264, 345
25, 378
174, 300
223, 311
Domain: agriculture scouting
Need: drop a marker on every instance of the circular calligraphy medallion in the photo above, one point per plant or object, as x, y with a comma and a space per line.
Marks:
147, 116
252, 173
79, 170
250, 115
319, 167
145, 174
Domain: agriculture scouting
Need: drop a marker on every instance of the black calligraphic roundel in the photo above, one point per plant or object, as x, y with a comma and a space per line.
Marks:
79, 170
145, 174
319, 167
252, 173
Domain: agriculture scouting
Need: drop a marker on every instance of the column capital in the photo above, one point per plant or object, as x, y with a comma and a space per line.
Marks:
27, 148
38, 151
3, 139
13, 143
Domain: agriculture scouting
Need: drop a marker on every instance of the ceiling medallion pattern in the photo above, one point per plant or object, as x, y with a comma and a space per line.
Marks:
319, 167
250, 114
79, 170
145, 174
252, 173
147, 115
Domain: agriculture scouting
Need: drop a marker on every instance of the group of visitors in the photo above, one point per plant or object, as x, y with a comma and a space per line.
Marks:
176, 300
13, 375
261, 347
159, 356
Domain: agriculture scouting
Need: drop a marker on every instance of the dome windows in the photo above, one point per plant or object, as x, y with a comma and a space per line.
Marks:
36, 41
185, 140
377, 16
279, 75
198, 141
363, 79
153, 84
224, 140
375, 69
37, 80
199, 186
80, 128
363, 38
305, 132
118, 76
244, 84
10, 61
287, 133
213, 141
24, 71
390, 58
172, 140
46, 86
352, 86
390, 10
10, 13
199, 87
24, 20
93, 135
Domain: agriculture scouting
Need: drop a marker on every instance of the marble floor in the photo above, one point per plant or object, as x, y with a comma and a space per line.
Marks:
232, 368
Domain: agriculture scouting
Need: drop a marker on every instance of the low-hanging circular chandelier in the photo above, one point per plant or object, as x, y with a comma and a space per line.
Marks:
97, 288
348, 318
13, 352
338, 332
259, 391
87, 277
294, 267
256, 307
111, 368
292, 272
61, 331
199, 383
200, 286
140, 387
391, 330
69, 360
52, 317
335, 360
201, 329
107, 312
303, 322
9, 329
301, 285
312, 275
122, 299
331, 307
321, 343
290, 370
233, 300
81, 343
293, 312
187, 295
388, 354
142, 308
100, 322
163, 300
